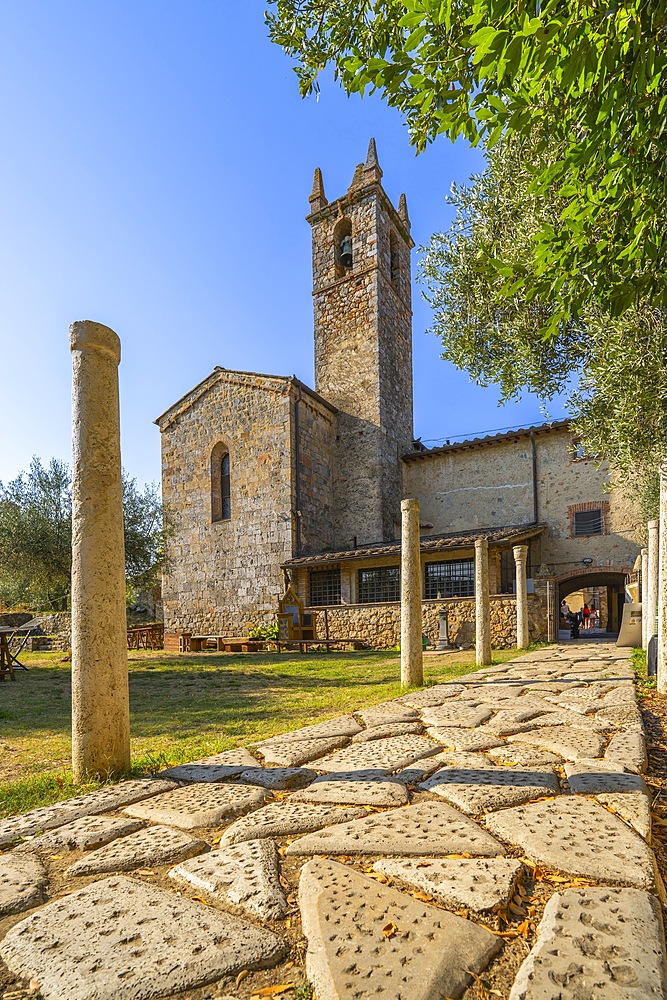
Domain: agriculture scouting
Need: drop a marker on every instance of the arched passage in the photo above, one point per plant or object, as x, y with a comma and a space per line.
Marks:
604, 584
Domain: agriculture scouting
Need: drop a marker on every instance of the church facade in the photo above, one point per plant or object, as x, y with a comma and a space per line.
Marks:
268, 480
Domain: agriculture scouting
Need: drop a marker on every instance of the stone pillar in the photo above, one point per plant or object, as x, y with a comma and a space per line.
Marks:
520, 557
100, 697
482, 604
412, 663
652, 576
644, 583
662, 583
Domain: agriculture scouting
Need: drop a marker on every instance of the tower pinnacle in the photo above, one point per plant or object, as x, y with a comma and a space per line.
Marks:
372, 170
317, 198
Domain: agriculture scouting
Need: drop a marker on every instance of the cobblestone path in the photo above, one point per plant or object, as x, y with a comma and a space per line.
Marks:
483, 837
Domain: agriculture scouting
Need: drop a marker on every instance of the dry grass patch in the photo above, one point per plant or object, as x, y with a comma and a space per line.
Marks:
187, 706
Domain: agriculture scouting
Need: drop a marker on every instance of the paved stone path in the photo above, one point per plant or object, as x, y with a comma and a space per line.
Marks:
490, 834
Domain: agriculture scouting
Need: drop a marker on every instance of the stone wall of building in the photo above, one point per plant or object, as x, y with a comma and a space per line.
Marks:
314, 497
220, 573
491, 484
363, 354
379, 625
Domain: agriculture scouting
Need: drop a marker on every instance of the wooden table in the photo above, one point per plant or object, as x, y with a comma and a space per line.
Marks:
9, 660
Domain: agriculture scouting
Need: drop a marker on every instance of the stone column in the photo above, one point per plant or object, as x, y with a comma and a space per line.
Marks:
100, 698
482, 604
644, 584
520, 557
652, 576
662, 583
412, 663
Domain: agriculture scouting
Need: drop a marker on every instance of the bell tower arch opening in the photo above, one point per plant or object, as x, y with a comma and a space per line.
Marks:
342, 238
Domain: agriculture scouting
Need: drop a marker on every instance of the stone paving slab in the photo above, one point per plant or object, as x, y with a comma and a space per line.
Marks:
22, 879
579, 837
354, 951
561, 717
506, 692
627, 716
527, 756
156, 845
457, 714
120, 939
103, 799
419, 770
602, 776
478, 790
633, 807
390, 729
286, 819
428, 828
629, 750
87, 833
388, 711
509, 721
298, 752
431, 696
598, 944
389, 755
475, 883
278, 777
217, 767
343, 725
465, 739
368, 788
572, 744
246, 875
199, 805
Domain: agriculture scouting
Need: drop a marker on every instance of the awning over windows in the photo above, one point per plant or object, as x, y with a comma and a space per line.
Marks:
428, 544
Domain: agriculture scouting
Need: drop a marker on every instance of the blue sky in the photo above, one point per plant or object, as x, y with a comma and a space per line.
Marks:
155, 171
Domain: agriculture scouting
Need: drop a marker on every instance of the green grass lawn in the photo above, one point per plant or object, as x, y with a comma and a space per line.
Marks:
188, 706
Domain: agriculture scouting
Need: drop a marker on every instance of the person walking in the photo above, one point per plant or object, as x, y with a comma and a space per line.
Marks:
586, 616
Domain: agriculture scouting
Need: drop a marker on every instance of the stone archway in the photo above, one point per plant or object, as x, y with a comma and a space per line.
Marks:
610, 578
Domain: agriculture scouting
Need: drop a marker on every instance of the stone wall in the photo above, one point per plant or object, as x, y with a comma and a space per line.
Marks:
315, 455
491, 484
363, 355
221, 573
14, 619
379, 625
52, 630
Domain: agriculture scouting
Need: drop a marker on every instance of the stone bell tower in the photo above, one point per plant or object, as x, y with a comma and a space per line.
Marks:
363, 347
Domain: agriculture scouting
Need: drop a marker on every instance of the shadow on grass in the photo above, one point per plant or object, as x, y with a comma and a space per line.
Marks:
239, 696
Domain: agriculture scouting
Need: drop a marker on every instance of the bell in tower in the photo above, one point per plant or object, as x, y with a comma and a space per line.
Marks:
346, 251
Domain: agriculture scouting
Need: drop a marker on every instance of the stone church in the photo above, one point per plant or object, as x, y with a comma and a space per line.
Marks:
269, 480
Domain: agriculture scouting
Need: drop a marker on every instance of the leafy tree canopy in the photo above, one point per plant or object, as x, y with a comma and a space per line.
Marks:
36, 535
587, 76
612, 369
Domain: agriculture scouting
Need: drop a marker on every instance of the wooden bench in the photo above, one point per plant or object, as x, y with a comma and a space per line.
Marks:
303, 644
223, 643
189, 643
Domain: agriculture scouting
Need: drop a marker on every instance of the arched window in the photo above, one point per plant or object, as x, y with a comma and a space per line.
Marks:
394, 259
343, 247
221, 503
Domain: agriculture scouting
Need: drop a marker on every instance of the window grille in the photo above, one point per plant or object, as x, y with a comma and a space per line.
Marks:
221, 503
454, 578
378, 586
508, 570
324, 587
588, 522
225, 491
